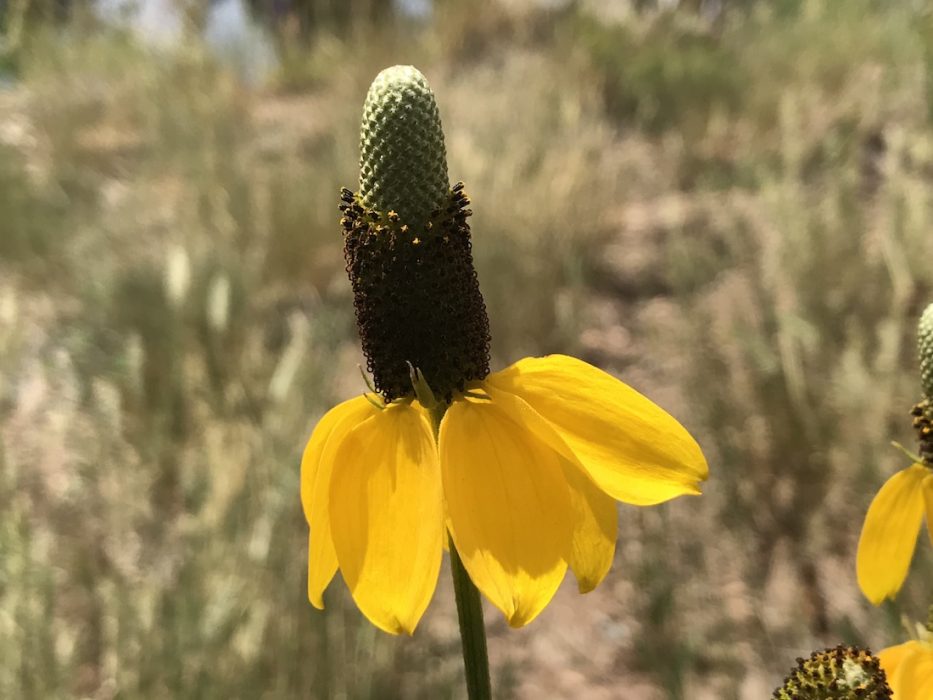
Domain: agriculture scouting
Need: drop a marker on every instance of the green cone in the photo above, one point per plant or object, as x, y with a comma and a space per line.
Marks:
925, 347
403, 162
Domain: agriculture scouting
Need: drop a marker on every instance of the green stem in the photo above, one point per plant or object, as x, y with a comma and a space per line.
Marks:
472, 630
469, 604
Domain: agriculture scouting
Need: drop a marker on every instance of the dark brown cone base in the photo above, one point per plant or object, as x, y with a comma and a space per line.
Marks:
923, 424
417, 297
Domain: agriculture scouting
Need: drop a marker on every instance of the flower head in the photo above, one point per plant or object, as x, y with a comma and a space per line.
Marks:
894, 518
889, 535
909, 666
842, 672
522, 468
407, 246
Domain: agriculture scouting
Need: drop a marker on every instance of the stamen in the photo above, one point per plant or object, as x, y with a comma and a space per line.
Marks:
376, 403
910, 455
366, 379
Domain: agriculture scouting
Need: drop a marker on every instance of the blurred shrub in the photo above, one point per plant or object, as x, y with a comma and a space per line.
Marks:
33, 225
665, 71
339, 17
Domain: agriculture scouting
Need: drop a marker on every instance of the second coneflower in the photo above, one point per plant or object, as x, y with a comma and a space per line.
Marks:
522, 467
895, 516
909, 666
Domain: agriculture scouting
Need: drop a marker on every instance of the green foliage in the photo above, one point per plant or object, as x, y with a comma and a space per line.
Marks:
33, 225
669, 73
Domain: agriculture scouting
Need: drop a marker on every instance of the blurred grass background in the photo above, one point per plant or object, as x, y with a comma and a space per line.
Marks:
727, 204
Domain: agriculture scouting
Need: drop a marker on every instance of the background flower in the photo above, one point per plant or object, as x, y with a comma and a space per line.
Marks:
889, 535
909, 667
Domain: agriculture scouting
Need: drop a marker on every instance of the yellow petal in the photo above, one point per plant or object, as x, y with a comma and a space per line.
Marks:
322, 565
913, 679
508, 507
889, 535
927, 488
892, 657
634, 450
346, 416
595, 515
387, 517
316, 467
595, 528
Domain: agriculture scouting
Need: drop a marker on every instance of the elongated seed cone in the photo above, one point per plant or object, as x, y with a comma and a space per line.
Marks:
925, 347
408, 247
403, 161
836, 674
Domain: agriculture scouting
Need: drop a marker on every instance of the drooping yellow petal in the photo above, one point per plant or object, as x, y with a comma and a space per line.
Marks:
595, 528
892, 657
913, 679
595, 514
508, 507
346, 415
322, 565
634, 450
889, 535
316, 468
387, 517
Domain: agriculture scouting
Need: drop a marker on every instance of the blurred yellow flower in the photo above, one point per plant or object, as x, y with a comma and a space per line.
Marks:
889, 535
524, 475
909, 668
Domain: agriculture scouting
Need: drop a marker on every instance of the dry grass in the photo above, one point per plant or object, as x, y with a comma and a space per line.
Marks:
733, 217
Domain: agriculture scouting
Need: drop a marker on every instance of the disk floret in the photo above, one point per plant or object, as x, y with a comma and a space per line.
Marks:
417, 296
923, 425
840, 673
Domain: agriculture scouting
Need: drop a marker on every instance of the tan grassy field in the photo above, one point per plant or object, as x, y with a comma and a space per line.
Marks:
731, 214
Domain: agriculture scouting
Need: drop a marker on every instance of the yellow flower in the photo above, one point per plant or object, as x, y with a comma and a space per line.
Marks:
889, 535
909, 668
520, 468
524, 475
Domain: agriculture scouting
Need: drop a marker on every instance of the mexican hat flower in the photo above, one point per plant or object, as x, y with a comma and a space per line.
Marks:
842, 672
895, 516
521, 468
910, 669
909, 666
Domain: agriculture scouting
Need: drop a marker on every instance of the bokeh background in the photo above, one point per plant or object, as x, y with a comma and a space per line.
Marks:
727, 204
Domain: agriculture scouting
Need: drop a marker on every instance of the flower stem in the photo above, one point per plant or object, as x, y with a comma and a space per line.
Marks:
469, 604
472, 631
